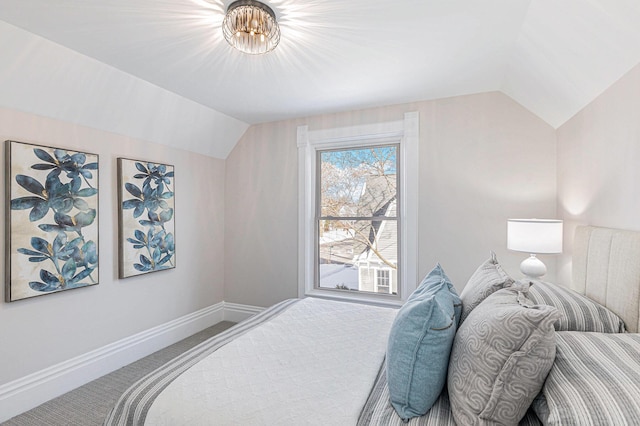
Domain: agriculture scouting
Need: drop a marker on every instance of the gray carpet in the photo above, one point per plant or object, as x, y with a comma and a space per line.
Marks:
89, 404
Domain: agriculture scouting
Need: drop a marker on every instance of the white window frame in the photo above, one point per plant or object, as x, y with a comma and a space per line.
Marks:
405, 132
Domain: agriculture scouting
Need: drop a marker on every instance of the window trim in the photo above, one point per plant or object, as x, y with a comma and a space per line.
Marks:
405, 132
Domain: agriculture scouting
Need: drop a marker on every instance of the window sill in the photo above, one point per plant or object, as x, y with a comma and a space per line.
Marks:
367, 299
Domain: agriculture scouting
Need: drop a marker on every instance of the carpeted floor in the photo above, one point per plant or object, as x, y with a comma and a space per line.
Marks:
89, 404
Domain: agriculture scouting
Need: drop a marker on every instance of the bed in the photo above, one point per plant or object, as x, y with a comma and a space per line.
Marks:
313, 361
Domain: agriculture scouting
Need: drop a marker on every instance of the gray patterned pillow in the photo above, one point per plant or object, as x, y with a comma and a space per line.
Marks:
595, 380
487, 279
500, 358
579, 313
378, 411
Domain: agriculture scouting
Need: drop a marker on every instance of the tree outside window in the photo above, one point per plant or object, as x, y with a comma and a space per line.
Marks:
357, 218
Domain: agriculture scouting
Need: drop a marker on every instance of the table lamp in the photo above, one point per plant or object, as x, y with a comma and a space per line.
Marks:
534, 236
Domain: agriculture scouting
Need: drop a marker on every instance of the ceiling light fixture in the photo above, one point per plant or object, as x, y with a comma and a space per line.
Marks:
250, 26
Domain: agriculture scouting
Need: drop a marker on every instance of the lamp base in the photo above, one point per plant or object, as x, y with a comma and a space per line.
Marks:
532, 267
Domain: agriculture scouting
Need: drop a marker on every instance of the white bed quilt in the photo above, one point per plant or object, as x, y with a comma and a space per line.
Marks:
315, 363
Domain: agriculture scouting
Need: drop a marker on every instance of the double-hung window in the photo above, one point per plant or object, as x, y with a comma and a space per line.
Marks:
356, 217
358, 211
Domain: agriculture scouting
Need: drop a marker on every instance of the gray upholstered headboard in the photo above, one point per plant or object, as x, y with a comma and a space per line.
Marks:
606, 268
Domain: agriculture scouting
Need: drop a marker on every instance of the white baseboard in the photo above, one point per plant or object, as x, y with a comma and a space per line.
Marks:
236, 313
30, 391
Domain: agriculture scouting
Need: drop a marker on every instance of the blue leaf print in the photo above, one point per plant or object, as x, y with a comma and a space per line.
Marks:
150, 200
64, 191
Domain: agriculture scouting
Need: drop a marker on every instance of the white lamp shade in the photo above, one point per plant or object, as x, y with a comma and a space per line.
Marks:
542, 236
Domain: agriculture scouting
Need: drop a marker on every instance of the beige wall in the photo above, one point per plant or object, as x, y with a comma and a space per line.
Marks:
483, 159
39, 332
599, 163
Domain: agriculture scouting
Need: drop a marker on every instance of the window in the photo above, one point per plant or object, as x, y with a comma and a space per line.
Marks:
383, 281
357, 217
357, 211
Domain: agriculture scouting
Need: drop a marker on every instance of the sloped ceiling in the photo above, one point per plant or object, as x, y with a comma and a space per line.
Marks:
553, 57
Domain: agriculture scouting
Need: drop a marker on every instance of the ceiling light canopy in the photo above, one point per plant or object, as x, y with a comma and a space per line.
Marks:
250, 26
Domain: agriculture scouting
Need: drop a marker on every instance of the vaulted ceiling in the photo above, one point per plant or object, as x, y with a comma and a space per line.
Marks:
553, 57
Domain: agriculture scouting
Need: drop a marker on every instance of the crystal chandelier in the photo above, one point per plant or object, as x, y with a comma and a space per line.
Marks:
251, 27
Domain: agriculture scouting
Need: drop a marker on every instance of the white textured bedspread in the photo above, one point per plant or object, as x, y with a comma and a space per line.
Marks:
314, 363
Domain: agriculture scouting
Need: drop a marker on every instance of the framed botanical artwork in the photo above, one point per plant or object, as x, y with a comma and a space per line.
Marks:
51, 220
146, 210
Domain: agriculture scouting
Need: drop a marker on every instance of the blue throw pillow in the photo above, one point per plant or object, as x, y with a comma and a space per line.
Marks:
420, 344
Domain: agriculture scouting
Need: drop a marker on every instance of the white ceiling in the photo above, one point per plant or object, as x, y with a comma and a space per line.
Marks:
551, 56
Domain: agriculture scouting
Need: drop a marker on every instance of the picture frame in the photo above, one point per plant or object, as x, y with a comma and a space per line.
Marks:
146, 217
51, 220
